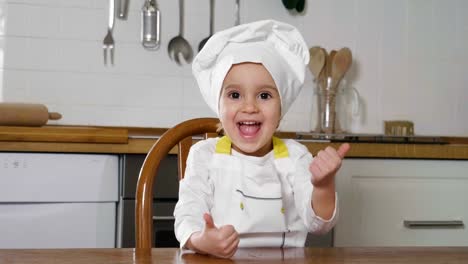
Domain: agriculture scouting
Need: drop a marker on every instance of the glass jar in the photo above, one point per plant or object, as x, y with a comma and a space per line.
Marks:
335, 104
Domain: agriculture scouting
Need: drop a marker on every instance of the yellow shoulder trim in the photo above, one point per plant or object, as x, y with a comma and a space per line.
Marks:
223, 146
279, 148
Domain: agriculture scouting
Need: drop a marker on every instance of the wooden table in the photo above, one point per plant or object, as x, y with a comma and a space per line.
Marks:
391, 255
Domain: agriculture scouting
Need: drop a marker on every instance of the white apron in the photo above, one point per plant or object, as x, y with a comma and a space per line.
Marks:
248, 194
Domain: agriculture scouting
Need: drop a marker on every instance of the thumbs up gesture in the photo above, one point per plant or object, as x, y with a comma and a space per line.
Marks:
326, 163
220, 242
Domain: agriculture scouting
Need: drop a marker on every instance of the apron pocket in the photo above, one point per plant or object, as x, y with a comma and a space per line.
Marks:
255, 214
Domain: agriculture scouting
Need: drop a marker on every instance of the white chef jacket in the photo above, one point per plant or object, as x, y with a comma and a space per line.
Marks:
267, 199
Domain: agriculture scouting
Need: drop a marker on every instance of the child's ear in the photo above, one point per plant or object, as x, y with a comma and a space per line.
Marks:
279, 119
279, 122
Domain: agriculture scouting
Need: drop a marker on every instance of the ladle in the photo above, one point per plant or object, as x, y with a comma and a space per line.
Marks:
203, 42
178, 45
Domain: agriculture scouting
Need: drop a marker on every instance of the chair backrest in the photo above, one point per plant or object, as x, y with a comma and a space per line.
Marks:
180, 135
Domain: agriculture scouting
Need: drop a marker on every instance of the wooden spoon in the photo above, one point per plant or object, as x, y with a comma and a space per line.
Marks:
341, 63
330, 59
317, 60
325, 74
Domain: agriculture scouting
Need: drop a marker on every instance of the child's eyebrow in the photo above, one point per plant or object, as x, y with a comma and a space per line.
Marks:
270, 87
230, 86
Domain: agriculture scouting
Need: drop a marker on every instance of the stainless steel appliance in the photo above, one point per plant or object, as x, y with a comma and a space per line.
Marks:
165, 195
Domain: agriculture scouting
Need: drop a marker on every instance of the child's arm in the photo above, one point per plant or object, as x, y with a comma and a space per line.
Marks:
220, 242
323, 168
194, 228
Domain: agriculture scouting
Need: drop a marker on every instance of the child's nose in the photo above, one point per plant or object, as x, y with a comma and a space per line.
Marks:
250, 106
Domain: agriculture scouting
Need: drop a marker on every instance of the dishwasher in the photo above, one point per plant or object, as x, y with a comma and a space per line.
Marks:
57, 200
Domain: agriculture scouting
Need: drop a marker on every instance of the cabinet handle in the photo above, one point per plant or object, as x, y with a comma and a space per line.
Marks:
163, 218
433, 224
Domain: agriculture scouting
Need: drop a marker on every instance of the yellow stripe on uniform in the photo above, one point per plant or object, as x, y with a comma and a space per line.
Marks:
223, 146
280, 149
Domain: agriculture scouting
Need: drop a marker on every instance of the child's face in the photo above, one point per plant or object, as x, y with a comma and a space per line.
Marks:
250, 108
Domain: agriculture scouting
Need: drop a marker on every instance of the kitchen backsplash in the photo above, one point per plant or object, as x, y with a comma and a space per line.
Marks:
409, 60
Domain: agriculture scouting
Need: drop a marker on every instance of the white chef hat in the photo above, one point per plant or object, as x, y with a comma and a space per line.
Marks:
278, 46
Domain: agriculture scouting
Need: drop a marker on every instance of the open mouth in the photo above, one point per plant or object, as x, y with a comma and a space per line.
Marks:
249, 128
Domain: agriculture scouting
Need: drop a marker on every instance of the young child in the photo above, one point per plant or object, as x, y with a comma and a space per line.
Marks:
249, 188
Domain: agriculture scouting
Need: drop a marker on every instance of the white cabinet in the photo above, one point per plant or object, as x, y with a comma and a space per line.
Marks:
51, 200
402, 203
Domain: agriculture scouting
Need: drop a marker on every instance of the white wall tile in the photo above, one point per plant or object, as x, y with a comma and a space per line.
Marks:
14, 24
128, 30
80, 56
154, 92
342, 28
420, 29
2, 51
191, 94
196, 112
151, 117
15, 51
368, 51
79, 23
395, 62
42, 21
409, 60
46, 87
44, 54
89, 115
3, 17
461, 28
17, 86
56, 3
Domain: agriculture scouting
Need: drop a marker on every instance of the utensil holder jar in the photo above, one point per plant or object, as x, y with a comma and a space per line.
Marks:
338, 104
326, 113
326, 101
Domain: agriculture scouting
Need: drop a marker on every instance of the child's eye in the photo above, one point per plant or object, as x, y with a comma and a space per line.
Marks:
265, 96
234, 95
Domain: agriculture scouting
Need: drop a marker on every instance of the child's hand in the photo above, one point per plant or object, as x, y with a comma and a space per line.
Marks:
325, 165
221, 242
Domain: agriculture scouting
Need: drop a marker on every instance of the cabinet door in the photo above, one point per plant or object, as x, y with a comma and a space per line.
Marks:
402, 203
57, 225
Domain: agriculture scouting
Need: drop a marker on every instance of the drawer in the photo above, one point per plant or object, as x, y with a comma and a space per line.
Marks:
402, 203
57, 225
58, 177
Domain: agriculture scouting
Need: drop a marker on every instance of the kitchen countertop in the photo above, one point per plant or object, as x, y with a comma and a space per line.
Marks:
122, 140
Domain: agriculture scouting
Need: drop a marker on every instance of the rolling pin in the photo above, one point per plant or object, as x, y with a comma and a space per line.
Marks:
25, 114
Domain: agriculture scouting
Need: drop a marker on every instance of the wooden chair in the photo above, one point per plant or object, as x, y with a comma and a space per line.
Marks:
180, 134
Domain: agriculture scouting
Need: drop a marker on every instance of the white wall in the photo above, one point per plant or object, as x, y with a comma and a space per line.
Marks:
410, 60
